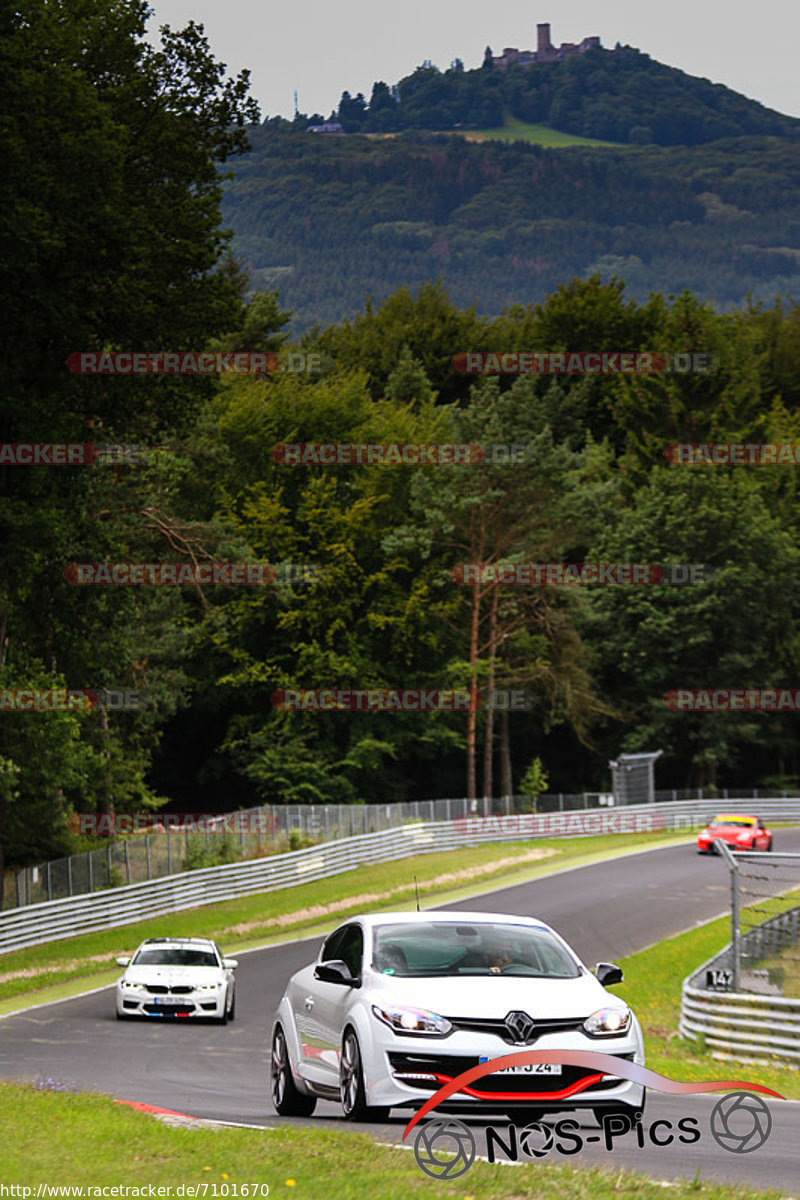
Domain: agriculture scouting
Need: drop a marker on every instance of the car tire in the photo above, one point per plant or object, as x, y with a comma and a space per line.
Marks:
232, 1013
769, 845
351, 1083
123, 1016
288, 1100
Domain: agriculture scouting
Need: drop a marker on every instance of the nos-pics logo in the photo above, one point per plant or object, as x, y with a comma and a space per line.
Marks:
446, 1148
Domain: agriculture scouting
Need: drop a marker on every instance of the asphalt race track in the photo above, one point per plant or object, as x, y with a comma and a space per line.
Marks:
605, 911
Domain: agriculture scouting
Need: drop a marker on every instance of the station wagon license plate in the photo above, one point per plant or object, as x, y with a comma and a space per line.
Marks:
526, 1068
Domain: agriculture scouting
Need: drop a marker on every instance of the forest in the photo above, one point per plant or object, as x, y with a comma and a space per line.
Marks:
330, 221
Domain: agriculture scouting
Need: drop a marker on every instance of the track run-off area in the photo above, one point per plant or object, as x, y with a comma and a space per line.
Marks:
606, 911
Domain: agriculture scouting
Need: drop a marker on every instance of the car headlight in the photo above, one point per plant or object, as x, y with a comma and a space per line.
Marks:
414, 1021
608, 1022
207, 987
743, 837
134, 987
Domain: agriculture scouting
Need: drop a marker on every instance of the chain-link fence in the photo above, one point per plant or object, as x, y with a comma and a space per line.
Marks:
273, 829
764, 954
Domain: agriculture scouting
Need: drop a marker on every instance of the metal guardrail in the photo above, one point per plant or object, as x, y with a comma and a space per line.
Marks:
270, 828
57, 919
741, 1025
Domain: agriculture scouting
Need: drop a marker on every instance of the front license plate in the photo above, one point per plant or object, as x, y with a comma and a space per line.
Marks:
169, 1001
527, 1068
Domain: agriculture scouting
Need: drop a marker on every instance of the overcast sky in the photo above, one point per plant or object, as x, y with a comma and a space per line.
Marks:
322, 47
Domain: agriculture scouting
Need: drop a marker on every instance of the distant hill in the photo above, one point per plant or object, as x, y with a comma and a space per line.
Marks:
619, 95
330, 220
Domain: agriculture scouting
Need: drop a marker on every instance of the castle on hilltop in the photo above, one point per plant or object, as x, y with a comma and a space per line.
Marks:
545, 51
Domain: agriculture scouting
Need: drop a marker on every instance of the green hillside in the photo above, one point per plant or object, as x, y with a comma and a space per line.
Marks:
331, 220
619, 95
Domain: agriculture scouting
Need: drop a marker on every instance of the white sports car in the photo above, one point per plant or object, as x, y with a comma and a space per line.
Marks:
398, 1004
177, 977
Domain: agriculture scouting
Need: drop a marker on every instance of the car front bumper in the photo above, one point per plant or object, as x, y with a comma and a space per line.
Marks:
405, 1072
208, 1005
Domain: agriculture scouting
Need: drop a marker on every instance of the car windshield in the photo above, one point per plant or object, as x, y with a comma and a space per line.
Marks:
732, 822
446, 948
175, 956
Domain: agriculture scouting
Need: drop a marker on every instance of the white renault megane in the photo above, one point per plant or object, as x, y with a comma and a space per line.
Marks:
399, 1004
177, 977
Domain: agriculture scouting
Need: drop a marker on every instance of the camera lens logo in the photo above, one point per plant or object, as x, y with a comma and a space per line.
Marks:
536, 1139
741, 1122
444, 1137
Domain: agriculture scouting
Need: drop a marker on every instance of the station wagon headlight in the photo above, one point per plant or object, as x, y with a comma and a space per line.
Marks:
608, 1022
413, 1021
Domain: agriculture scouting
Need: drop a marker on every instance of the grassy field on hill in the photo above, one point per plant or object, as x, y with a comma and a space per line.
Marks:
513, 130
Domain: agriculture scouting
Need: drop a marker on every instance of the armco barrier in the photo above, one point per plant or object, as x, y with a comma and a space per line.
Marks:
56, 919
252, 832
746, 1025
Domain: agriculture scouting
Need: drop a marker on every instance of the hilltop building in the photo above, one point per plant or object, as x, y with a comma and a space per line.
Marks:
545, 51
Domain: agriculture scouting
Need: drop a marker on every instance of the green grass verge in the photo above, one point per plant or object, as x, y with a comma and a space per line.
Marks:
652, 987
52, 970
88, 1140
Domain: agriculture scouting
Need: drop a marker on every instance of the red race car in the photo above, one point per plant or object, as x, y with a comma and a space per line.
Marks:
739, 831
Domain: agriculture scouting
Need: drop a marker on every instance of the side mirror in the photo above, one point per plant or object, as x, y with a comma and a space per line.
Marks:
608, 973
335, 971
123, 962
230, 963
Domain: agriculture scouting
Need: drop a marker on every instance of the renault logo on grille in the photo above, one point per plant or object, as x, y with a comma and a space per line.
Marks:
520, 1026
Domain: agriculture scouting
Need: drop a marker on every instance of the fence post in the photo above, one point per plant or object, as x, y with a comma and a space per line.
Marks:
49, 881
27, 885
147, 851
127, 860
169, 852
90, 865
733, 867
69, 873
